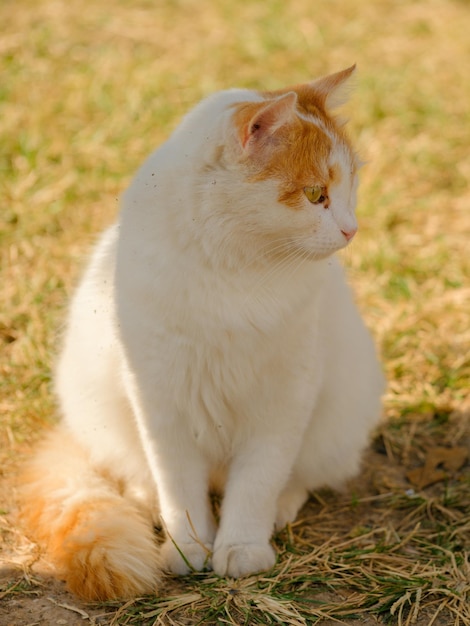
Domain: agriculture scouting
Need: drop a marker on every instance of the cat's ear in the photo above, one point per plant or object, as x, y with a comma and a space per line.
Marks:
333, 90
266, 119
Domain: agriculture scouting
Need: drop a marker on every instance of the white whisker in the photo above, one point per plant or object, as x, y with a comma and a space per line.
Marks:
271, 248
283, 265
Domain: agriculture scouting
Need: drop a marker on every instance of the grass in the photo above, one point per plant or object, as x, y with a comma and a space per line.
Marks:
380, 570
89, 89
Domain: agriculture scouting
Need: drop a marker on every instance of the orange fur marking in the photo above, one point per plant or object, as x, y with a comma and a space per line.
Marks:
298, 159
297, 153
334, 173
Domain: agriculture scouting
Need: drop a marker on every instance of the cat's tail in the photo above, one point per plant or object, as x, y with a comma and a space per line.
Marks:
100, 542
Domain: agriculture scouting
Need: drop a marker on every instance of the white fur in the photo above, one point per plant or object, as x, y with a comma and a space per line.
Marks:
213, 338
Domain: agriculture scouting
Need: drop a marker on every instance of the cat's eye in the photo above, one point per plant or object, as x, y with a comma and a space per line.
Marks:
315, 194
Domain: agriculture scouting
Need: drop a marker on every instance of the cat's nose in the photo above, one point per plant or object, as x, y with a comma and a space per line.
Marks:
349, 234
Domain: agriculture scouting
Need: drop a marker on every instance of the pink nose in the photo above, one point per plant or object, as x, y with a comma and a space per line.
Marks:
349, 234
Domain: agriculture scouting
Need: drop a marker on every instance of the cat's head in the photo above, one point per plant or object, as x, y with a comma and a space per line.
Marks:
277, 167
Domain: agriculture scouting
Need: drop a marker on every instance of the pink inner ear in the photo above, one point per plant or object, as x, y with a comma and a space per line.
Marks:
270, 118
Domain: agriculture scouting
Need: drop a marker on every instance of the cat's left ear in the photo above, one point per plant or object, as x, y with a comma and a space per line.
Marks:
333, 90
265, 119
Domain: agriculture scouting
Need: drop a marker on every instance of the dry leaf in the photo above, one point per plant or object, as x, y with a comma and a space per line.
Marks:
451, 459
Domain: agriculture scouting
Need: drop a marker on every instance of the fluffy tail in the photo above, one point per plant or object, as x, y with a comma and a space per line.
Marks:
100, 542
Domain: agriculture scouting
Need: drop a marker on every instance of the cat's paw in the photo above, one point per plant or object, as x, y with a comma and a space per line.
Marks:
236, 560
289, 503
183, 558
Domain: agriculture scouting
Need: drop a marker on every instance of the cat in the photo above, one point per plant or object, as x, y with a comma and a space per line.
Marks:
212, 344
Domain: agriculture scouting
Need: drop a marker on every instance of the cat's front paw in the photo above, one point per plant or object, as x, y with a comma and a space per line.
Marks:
236, 560
288, 505
182, 558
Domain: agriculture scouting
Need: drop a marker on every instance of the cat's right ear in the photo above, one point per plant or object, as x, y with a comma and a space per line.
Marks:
333, 90
264, 119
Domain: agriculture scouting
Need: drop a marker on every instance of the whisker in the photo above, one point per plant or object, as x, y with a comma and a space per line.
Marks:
282, 265
271, 247
293, 265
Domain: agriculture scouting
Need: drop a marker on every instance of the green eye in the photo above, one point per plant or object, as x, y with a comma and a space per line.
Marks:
316, 194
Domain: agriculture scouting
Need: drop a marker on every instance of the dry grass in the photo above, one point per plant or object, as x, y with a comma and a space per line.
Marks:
88, 89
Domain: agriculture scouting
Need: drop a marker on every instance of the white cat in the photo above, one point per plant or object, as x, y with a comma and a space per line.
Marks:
212, 343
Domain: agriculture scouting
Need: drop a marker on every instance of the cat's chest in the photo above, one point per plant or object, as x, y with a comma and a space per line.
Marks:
213, 383
214, 353
218, 384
